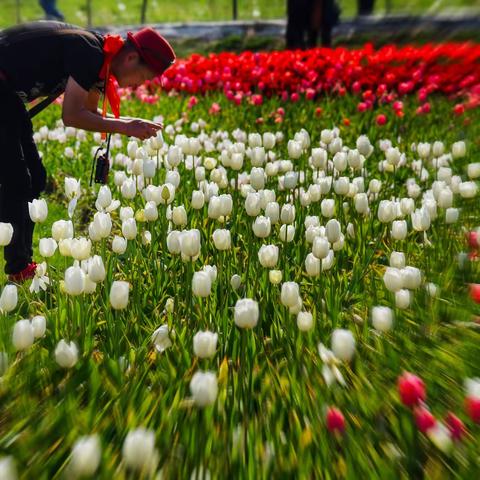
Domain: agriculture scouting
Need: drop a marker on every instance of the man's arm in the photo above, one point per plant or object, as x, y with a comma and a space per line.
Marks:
80, 111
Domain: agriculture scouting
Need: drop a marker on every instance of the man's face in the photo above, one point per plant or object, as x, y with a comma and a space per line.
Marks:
132, 72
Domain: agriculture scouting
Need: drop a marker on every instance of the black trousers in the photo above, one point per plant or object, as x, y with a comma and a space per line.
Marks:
303, 26
22, 177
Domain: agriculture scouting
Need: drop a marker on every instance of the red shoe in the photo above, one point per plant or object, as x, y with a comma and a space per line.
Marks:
27, 273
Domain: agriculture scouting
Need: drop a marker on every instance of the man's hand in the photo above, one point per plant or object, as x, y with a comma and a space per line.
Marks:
141, 129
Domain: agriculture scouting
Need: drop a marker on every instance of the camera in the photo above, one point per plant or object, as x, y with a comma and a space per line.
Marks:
102, 168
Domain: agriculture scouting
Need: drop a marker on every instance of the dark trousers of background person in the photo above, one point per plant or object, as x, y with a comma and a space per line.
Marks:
308, 18
22, 177
365, 7
50, 9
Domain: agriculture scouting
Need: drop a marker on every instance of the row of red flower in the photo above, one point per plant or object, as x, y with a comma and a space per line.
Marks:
377, 75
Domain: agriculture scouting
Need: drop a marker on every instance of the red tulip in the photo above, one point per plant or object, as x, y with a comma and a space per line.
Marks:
346, 122
472, 406
455, 425
381, 119
411, 389
335, 420
318, 111
426, 108
475, 292
459, 109
473, 239
362, 106
424, 419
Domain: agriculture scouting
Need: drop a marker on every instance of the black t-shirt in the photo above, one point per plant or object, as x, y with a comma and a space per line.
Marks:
38, 58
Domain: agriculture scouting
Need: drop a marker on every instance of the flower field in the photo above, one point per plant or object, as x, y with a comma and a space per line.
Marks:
281, 285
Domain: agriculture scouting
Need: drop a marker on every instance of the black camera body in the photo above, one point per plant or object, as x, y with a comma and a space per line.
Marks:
102, 169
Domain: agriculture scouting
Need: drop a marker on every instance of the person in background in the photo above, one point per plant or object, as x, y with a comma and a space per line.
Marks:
365, 7
51, 11
308, 18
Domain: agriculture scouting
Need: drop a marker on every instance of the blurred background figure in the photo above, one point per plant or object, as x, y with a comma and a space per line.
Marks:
308, 18
365, 7
51, 11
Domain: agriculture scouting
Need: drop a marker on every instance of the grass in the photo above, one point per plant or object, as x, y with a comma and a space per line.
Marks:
111, 12
268, 420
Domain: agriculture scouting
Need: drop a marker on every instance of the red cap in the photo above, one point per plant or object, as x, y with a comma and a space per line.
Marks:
153, 49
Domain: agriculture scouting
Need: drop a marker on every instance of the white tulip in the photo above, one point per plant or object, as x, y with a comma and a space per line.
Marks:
386, 211
201, 284
74, 280
9, 298
66, 354
205, 344
96, 269
138, 449
261, 227
272, 211
397, 259
403, 298
8, 471
62, 229
150, 211
179, 216
327, 207
287, 233
39, 325
204, 388
399, 230
287, 215
451, 215
80, 248
161, 338
236, 281
333, 230
393, 279
382, 318
119, 244
47, 247
458, 149
343, 344
440, 436
198, 199
128, 189
361, 203
119, 294
38, 210
85, 457
190, 243
72, 188
289, 294
268, 256
468, 189
6, 233
252, 204
246, 313
129, 228
23, 335
412, 277
304, 321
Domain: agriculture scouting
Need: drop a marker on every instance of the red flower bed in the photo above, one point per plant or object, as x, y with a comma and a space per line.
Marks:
376, 76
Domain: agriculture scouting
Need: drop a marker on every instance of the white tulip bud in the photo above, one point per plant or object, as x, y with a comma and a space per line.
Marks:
74, 280
179, 216
361, 203
204, 388
23, 335
468, 189
39, 325
9, 298
119, 294
252, 204
85, 457
222, 239
150, 211
397, 259
399, 230
272, 211
138, 449
382, 318
304, 321
190, 243
201, 284
412, 277
119, 244
38, 210
328, 207
393, 279
205, 344
312, 265
235, 281
246, 313
287, 215
451, 215
343, 344
6, 233
403, 298
459, 149
261, 227
161, 338
66, 354
268, 256
198, 200
289, 294
129, 228
80, 248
